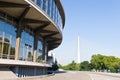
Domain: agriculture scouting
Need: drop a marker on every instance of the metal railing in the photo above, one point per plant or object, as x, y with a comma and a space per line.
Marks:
6, 56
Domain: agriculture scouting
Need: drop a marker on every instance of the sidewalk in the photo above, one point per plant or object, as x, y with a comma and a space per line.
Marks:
71, 75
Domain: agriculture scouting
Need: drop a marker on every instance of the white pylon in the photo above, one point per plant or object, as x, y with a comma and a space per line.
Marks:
78, 50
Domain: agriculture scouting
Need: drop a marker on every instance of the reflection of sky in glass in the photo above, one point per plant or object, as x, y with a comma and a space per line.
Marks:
7, 36
7, 28
39, 48
26, 45
51, 9
44, 5
7, 32
1, 33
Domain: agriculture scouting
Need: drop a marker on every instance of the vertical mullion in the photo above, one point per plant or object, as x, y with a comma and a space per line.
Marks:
9, 48
2, 43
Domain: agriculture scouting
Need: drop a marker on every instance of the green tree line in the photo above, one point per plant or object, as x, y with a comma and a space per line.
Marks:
105, 63
98, 62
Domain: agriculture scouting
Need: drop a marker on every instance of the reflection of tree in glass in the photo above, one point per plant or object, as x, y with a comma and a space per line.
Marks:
6, 40
30, 57
12, 51
6, 48
29, 54
0, 38
0, 47
39, 58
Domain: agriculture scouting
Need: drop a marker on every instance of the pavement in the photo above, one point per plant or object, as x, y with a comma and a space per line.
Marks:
104, 76
71, 75
76, 75
5, 73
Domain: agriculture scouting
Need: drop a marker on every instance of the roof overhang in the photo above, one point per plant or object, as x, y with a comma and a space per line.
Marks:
28, 13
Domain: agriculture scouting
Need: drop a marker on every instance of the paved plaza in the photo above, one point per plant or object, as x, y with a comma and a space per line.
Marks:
76, 75
69, 76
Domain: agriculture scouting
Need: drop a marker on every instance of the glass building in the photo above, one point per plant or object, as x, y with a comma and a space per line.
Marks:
29, 29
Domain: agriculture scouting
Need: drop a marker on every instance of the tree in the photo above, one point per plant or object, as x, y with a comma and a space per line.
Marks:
105, 63
72, 66
55, 66
85, 66
60, 66
98, 62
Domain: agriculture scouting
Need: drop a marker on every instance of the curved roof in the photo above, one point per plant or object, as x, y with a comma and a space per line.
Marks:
26, 12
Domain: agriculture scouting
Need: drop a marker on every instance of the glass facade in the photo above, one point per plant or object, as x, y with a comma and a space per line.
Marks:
8, 34
7, 41
26, 47
51, 9
39, 3
39, 51
44, 7
8, 44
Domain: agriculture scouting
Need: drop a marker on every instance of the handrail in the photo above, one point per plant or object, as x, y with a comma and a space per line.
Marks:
6, 56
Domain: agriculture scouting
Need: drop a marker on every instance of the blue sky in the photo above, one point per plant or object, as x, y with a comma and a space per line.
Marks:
97, 22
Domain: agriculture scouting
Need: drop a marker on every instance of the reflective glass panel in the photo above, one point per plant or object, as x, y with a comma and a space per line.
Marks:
44, 5
39, 3
39, 51
7, 40
26, 47
0, 47
49, 8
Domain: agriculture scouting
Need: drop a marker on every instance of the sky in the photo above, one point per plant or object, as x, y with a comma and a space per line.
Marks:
97, 22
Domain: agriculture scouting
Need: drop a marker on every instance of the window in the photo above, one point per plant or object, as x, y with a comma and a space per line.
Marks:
39, 3
7, 40
33, 0
49, 8
26, 47
44, 5
39, 51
